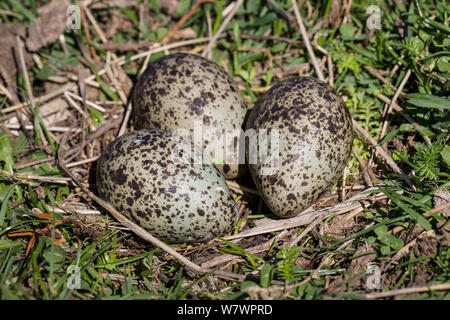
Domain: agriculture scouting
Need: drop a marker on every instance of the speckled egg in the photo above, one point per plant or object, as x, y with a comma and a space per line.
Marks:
187, 91
146, 175
314, 132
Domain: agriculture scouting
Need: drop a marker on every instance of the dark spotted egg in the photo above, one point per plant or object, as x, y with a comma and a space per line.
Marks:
187, 91
147, 176
311, 129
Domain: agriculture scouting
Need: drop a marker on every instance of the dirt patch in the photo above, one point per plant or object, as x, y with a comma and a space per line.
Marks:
49, 25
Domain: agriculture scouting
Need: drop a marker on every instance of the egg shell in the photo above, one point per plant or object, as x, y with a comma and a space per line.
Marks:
144, 176
315, 141
181, 90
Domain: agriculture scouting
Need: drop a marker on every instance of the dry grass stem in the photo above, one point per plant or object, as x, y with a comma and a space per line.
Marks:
25, 73
398, 292
351, 204
366, 137
393, 101
25, 177
225, 22
310, 227
307, 42
89, 103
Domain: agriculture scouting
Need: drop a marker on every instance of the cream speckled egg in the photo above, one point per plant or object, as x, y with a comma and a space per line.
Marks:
315, 140
144, 175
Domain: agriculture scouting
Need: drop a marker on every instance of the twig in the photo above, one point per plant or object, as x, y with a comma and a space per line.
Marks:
41, 99
75, 105
97, 29
262, 37
307, 216
121, 278
440, 208
406, 248
92, 136
25, 177
239, 188
10, 13
116, 84
129, 46
364, 169
222, 27
229, 257
209, 24
25, 73
50, 129
433, 287
81, 162
366, 136
28, 88
395, 106
6, 92
307, 42
330, 71
306, 231
377, 75
19, 166
86, 31
180, 22
281, 11
62, 41
393, 101
89, 103
347, 11
125, 120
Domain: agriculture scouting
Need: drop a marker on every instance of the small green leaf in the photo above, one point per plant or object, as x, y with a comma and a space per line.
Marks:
7, 243
96, 115
54, 255
248, 284
411, 212
109, 91
5, 202
183, 7
381, 230
6, 152
392, 241
130, 15
268, 77
444, 64
445, 154
265, 20
20, 144
347, 30
161, 32
267, 272
279, 47
45, 72
385, 250
244, 74
428, 101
